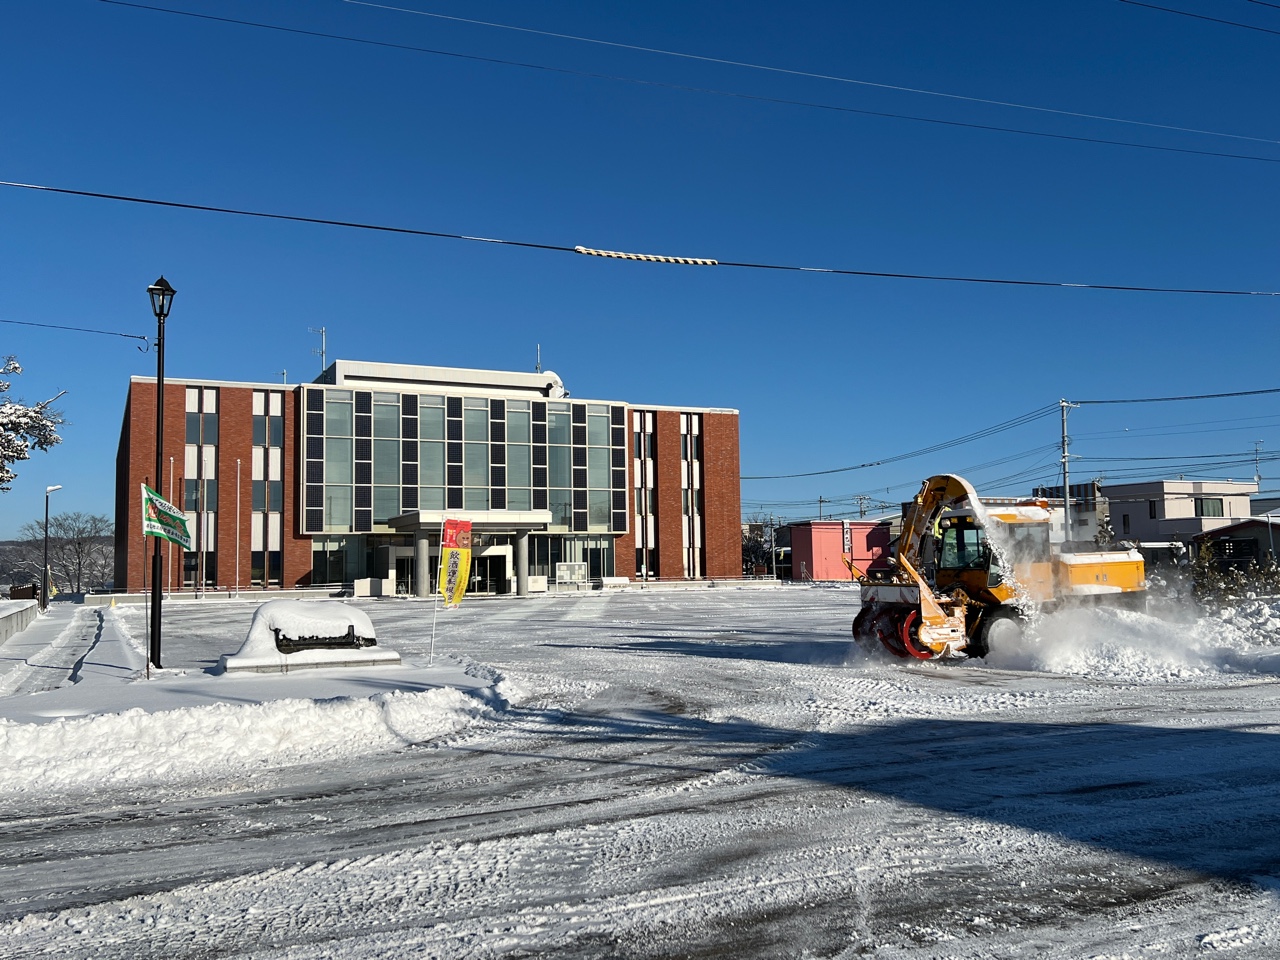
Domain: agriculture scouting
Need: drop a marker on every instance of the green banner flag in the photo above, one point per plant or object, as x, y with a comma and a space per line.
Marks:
160, 518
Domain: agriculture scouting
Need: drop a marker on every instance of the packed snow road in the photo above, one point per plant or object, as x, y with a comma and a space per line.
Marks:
718, 773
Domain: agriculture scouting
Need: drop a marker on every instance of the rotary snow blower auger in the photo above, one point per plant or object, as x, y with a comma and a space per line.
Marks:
969, 571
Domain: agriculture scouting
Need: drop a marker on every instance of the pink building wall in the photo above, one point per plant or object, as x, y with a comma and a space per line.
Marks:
817, 548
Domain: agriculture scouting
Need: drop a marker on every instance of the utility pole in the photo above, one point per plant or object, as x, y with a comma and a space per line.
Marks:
1257, 470
321, 353
1066, 473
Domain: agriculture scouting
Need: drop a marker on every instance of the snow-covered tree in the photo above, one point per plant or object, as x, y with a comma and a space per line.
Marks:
23, 428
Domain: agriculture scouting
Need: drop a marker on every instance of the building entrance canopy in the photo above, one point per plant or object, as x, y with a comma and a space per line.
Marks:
422, 523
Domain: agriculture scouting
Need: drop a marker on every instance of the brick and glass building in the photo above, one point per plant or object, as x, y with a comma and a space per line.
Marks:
349, 477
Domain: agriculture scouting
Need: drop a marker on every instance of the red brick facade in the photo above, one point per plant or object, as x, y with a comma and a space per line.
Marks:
666, 464
722, 496
135, 462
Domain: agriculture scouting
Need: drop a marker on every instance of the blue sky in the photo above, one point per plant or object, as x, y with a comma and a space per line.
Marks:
827, 371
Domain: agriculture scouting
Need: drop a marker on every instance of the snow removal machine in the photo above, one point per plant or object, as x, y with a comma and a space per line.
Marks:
967, 572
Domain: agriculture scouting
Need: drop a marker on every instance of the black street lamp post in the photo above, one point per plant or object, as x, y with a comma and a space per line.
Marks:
161, 300
44, 574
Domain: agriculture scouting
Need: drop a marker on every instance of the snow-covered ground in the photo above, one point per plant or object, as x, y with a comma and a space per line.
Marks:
715, 773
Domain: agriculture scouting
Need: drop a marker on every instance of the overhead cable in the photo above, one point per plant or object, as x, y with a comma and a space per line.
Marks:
563, 248
991, 128
1195, 16
976, 435
794, 73
54, 326
1203, 396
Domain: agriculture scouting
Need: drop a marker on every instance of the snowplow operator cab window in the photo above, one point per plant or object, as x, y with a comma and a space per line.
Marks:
964, 546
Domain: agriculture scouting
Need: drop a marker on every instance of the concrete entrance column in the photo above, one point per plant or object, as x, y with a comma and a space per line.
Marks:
522, 563
422, 564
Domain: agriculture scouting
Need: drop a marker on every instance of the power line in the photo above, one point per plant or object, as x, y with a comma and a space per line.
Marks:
563, 248
1196, 16
795, 73
991, 128
976, 435
54, 326
1203, 396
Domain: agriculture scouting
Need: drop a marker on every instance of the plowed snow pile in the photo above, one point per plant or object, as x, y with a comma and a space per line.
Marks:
1132, 647
220, 739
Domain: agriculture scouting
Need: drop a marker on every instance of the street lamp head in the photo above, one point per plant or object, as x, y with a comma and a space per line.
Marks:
161, 298
49, 490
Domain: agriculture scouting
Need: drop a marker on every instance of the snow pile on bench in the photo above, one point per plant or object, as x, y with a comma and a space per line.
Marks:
295, 634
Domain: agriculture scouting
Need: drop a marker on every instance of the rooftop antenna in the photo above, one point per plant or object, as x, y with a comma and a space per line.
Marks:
284, 376
320, 352
1257, 471
538, 366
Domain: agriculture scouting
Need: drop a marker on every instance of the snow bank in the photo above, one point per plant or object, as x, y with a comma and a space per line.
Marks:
1135, 647
81, 754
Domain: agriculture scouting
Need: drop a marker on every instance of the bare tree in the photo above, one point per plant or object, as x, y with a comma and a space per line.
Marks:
81, 549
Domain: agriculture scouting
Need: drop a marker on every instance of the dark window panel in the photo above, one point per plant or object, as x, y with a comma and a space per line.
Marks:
498, 498
364, 402
579, 435
580, 413
315, 495
580, 521
498, 409
409, 474
579, 500
619, 524
540, 499
409, 428
364, 425
539, 411
453, 429
363, 497
498, 431
618, 416
364, 448
619, 457
259, 430
539, 434
315, 401
315, 520
364, 521
362, 472
454, 498
619, 480
539, 456
315, 446
409, 404
579, 456
453, 453
540, 477
619, 500
454, 475
580, 478
498, 476
453, 407
409, 496
409, 451
315, 424
315, 472
498, 453
618, 437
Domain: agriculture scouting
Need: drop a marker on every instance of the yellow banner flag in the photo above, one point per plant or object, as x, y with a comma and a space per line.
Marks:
455, 561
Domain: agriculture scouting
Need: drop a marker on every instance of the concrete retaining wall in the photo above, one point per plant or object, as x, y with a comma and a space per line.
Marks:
16, 616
